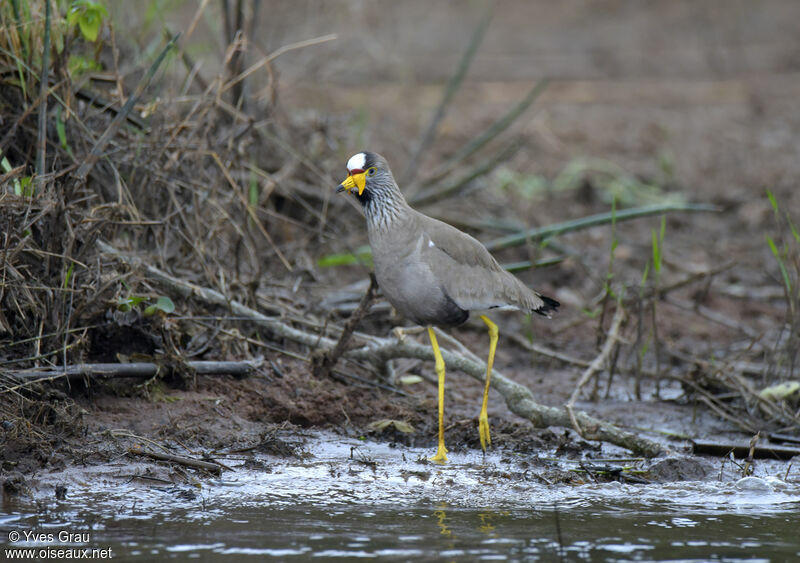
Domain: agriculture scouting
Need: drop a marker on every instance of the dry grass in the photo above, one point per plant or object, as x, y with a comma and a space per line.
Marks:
197, 186
216, 188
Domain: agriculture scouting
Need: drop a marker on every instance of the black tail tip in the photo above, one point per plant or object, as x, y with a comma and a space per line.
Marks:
549, 306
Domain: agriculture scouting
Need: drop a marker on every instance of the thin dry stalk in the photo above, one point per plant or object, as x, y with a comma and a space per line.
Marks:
100, 145
600, 361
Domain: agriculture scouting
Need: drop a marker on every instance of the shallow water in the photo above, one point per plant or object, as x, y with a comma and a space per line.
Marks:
382, 503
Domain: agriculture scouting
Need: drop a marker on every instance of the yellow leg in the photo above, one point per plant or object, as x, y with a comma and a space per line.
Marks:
483, 419
441, 452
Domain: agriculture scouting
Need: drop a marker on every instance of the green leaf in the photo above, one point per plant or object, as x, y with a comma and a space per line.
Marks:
6, 167
88, 15
69, 274
409, 380
363, 256
656, 253
61, 129
381, 425
781, 391
163, 304
90, 27
253, 191
78, 64
125, 304
591, 313
795, 234
25, 187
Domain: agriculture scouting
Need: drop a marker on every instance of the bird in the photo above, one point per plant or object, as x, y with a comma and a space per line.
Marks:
432, 273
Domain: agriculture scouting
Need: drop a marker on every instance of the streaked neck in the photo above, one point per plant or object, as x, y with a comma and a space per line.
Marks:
382, 206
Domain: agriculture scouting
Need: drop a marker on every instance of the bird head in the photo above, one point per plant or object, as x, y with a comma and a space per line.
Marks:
362, 169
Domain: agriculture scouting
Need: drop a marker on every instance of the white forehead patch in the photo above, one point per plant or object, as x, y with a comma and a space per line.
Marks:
357, 161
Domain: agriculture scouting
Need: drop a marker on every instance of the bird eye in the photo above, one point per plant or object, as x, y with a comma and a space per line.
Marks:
371, 171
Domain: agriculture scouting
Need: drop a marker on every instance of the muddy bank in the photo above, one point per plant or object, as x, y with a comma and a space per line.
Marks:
245, 429
236, 198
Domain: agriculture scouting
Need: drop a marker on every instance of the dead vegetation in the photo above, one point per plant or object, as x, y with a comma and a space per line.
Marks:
141, 224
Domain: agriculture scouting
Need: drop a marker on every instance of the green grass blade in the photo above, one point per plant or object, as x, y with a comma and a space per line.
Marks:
539, 233
784, 272
773, 201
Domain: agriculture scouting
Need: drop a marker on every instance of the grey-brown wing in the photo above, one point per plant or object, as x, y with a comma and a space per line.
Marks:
469, 273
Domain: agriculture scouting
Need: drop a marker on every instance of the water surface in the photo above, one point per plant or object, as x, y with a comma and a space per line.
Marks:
381, 503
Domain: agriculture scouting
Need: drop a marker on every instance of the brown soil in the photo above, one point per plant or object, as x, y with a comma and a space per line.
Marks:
715, 122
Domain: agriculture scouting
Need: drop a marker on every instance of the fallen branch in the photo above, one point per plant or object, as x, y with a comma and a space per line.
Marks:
186, 289
137, 369
380, 350
519, 398
743, 450
214, 468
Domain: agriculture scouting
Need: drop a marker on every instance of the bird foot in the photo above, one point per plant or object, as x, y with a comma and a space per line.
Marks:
400, 333
441, 455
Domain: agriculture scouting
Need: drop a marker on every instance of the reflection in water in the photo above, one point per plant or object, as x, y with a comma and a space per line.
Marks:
266, 529
441, 516
486, 526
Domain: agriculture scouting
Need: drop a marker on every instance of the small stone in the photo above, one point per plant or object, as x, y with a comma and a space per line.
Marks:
681, 468
61, 492
753, 484
776, 483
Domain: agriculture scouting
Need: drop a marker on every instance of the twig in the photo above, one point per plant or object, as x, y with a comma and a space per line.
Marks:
214, 468
323, 361
236, 79
437, 193
99, 146
250, 211
237, 58
539, 233
188, 289
96, 100
519, 398
743, 450
44, 86
714, 317
136, 369
192, 68
450, 90
597, 364
491, 132
547, 352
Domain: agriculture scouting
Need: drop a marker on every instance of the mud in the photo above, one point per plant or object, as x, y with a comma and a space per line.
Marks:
699, 122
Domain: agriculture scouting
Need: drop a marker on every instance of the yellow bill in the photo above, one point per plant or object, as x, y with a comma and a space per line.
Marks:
354, 181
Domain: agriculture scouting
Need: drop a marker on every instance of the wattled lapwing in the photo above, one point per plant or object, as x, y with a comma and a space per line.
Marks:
432, 273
